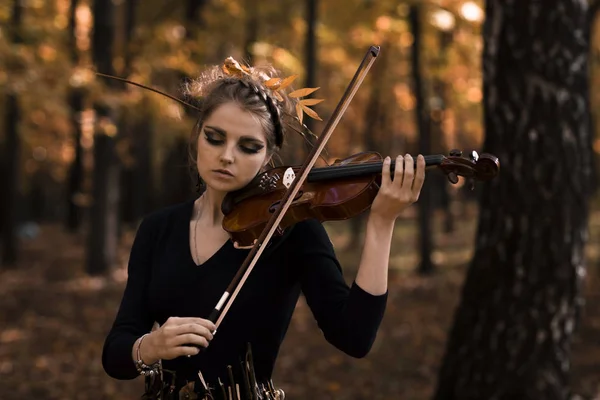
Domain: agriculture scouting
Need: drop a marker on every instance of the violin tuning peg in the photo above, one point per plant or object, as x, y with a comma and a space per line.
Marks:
474, 156
455, 153
452, 177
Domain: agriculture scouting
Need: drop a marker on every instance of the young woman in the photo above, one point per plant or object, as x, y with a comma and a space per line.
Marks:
182, 260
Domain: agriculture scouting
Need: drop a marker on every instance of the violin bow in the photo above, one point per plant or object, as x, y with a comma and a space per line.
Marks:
222, 307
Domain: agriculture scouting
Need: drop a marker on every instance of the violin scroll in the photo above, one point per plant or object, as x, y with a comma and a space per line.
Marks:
476, 167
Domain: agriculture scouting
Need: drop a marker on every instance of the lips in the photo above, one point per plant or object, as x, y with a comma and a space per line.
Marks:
223, 171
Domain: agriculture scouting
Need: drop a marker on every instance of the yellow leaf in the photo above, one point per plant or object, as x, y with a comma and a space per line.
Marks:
310, 102
311, 113
287, 81
299, 112
302, 92
277, 96
273, 83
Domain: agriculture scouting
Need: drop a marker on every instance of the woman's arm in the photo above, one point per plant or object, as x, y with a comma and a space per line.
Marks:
133, 317
350, 316
394, 196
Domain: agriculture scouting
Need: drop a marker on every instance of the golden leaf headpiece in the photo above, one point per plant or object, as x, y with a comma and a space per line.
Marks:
277, 86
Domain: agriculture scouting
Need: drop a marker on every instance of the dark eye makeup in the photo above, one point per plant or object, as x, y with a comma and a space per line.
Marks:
216, 137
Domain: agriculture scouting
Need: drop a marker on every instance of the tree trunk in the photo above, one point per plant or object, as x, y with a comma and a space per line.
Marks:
103, 238
12, 159
104, 222
422, 120
76, 102
251, 28
311, 50
128, 131
143, 192
512, 331
74, 212
13, 149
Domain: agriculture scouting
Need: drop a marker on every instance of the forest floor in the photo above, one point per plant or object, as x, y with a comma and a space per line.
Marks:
53, 320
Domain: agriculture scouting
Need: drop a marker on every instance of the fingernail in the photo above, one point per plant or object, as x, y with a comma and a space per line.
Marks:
387, 159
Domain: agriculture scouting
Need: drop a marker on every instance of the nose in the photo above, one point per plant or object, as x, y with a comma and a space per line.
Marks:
227, 155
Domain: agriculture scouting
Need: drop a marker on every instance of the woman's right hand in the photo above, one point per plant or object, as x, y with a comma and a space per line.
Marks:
175, 337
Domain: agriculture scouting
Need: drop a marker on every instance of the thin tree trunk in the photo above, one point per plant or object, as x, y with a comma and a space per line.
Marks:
128, 131
76, 102
511, 337
104, 222
143, 192
12, 158
311, 49
103, 238
422, 120
251, 28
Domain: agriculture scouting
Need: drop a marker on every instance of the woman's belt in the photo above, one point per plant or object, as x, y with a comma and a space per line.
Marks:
166, 385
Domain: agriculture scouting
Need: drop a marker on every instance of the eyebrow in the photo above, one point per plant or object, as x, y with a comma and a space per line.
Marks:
222, 132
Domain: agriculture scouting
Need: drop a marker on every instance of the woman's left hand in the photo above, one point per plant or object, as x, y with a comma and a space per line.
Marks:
396, 195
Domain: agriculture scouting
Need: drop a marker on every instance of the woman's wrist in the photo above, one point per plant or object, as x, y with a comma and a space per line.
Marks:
146, 350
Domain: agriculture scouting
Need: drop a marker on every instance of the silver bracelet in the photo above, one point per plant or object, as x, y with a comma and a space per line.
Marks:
143, 368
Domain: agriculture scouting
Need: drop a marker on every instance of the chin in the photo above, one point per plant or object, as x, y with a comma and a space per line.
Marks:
224, 186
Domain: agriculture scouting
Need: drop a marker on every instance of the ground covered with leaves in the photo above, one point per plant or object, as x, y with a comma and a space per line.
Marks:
53, 320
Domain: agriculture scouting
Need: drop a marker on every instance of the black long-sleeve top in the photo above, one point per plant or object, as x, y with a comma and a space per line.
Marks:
164, 281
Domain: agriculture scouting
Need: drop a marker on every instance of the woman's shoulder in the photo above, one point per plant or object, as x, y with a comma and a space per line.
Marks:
310, 231
164, 215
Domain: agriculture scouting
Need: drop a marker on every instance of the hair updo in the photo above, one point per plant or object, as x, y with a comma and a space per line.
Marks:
214, 87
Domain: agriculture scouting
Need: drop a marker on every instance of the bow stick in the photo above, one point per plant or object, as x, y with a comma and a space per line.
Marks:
239, 279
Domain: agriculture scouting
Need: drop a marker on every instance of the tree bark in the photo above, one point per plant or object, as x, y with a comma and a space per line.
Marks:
312, 7
422, 120
251, 28
12, 159
512, 331
104, 221
76, 99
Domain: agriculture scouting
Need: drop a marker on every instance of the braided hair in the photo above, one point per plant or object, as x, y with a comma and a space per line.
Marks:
213, 89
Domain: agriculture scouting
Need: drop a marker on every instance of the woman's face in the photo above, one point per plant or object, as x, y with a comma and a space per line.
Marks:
232, 148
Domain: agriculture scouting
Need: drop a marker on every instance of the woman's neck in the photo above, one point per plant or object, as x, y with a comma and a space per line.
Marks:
208, 208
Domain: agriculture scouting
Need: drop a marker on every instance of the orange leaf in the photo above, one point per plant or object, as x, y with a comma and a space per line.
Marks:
310, 102
277, 96
311, 113
287, 81
273, 83
302, 92
299, 112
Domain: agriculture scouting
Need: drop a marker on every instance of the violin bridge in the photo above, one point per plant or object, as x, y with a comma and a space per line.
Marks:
288, 177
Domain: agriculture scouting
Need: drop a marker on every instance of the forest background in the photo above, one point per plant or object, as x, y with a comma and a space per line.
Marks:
84, 158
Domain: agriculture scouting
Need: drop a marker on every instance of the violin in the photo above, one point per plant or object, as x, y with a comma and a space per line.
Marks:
341, 191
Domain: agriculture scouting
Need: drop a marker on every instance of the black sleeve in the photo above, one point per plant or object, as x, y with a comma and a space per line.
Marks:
348, 316
133, 318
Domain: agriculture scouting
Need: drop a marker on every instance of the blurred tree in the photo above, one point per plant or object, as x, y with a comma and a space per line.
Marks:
423, 128
104, 221
520, 302
76, 101
311, 53
252, 24
12, 150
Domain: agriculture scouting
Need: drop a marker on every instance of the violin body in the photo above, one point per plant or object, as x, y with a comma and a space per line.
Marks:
248, 210
340, 191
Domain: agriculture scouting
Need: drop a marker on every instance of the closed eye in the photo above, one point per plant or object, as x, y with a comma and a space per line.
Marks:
217, 138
